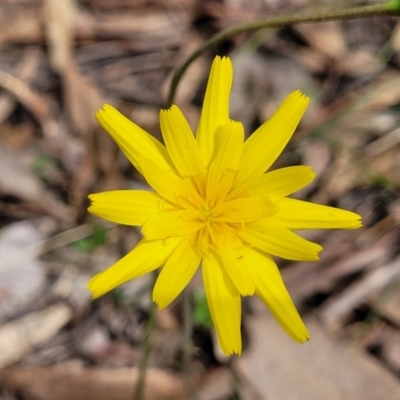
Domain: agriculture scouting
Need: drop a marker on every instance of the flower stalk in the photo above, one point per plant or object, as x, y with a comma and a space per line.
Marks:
389, 8
138, 393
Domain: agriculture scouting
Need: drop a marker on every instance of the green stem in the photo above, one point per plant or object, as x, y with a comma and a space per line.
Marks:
146, 350
187, 345
390, 8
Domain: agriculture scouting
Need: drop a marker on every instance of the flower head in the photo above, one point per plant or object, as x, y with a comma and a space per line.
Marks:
215, 205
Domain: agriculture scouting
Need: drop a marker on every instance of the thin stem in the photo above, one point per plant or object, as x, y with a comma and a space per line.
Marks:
186, 347
389, 8
146, 349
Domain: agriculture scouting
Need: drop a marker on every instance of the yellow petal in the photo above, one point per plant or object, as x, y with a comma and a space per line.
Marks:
180, 142
272, 291
145, 257
297, 214
172, 223
176, 273
215, 111
272, 238
131, 139
224, 303
168, 185
128, 207
224, 166
282, 182
231, 251
264, 146
245, 210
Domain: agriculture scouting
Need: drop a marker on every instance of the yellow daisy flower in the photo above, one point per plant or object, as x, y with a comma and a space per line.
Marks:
213, 205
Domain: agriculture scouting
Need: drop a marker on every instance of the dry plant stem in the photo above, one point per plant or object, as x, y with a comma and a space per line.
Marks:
187, 334
138, 393
352, 13
32, 100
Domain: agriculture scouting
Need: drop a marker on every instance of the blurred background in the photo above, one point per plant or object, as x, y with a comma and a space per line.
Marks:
60, 60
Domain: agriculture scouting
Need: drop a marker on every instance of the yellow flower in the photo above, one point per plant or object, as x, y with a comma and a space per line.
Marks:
213, 205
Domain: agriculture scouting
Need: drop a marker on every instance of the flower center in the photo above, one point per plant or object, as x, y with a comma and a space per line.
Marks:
208, 214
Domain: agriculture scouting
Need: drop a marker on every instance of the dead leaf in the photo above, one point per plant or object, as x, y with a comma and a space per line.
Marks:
22, 279
338, 308
71, 381
326, 38
19, 336
17, 180
390, 309
304, 279
82, 97
217, 384
19, 24
322, 368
